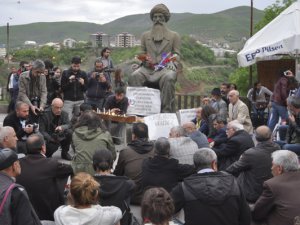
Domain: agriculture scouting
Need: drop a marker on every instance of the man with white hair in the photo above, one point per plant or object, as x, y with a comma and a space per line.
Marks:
280, 201
182, 147
239, 111
8, 138
238, 141
210, 197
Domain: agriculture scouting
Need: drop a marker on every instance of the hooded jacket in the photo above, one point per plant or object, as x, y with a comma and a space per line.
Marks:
212, 198
86, 142
96, 215
130, 164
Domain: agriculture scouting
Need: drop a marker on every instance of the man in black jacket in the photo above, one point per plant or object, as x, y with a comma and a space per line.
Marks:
253, 167
55, 127
39, 177
238, 142
21, 122
73, 84
17, 208
210, 197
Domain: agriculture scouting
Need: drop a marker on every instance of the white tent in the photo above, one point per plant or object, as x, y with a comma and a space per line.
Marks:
280, 36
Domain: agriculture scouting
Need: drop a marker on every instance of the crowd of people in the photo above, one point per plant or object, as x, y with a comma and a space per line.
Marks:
217, 168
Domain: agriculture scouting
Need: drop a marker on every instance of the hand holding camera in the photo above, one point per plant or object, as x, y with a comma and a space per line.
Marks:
288, 73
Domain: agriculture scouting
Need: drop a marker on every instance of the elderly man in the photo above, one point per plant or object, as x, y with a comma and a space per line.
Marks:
161, 170
238, 142
210, 197
239, 111
182, 147
197, 136
17, 209
55, 127
21, 123
131, 158
154, 43
40, 175
253, 167
280, 201
32, 87
8, 138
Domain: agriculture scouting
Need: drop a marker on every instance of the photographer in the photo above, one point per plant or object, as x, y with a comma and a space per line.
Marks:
52, 84
20, 121
73, 84
97, 86
32, 87
55, 127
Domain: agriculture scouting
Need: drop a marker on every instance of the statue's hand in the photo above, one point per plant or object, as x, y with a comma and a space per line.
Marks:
171, 66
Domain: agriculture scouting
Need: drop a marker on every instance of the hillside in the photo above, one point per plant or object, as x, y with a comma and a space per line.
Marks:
229, 25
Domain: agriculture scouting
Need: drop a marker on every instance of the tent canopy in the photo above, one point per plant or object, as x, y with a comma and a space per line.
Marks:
280, 36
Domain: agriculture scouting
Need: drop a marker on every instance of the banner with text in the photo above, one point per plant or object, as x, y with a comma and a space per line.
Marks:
143, 101
159, 125
186, 115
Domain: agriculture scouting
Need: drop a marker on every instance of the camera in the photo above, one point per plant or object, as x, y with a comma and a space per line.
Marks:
59, 136
36, 101
51, 73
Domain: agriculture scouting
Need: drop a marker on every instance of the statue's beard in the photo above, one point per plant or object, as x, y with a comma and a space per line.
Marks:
158, 31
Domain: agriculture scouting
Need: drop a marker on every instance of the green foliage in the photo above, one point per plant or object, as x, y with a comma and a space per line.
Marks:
273, 11
241, 78
196, 54
121, 55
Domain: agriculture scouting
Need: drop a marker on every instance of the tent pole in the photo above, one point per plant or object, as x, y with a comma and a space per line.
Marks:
251, 33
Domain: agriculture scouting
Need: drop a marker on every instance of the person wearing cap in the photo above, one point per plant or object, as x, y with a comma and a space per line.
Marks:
218, 103
161, 170
73, 84
32, 87
16, 209
154, 43
40, 177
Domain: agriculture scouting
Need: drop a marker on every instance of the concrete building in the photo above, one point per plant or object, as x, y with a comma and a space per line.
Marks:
69, 43
30, 43
2, 50
100, 40
125, 40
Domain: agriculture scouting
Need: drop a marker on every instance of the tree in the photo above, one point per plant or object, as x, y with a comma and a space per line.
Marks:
273, 11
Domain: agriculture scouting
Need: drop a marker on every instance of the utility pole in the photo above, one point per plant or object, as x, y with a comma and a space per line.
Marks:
251, 33
7, 44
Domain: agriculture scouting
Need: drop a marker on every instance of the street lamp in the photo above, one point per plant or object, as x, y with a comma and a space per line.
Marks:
7, 44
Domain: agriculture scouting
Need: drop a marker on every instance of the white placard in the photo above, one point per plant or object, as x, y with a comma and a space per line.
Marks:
159, 125
143, 101
186, 115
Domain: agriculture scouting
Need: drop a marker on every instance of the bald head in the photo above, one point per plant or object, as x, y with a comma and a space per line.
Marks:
57, 106
189, 127
263, 133
233, 96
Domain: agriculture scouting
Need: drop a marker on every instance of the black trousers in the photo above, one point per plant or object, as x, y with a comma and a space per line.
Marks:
51, 147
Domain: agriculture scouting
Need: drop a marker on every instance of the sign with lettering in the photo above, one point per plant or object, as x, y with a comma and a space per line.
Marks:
186, 115
159, 125
143, 101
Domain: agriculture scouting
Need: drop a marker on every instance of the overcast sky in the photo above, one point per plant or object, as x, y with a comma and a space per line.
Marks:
103, 11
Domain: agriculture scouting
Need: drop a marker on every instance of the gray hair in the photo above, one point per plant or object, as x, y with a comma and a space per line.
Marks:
294, 101
4, 132
236, 125
235, 92
287, 159
38, 65
203, 158
162, 146
179, 130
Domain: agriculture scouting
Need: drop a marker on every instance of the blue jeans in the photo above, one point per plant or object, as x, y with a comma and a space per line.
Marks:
292, 147
95, 102
276, 112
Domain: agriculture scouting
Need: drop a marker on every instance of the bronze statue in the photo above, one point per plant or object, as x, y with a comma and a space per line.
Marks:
160, 51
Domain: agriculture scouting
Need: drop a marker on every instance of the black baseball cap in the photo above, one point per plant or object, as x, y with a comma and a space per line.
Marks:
7, 158
76, 60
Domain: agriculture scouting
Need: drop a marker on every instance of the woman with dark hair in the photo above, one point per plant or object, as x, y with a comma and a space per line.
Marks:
257, 97
89, 135
118, 82
83, 208
208, 113
115, 190
157, 207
